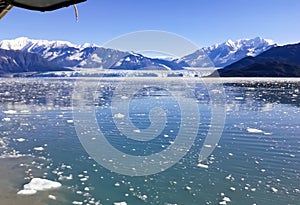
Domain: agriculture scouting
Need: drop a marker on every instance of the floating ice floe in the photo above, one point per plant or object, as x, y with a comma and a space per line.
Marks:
257, 131
142, 197
202, 166
225, 200
119, 116
52, 197
10, 112
230, 177
20, 139
84, 179
77, 202
263, 170
188, 188
120, 203
137, 131
27, 192
61, 177
38, 148
254, 130
38, 184
274, 190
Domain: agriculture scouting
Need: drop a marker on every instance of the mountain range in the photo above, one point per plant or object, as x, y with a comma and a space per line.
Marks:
65, 54
221, 55
61, 55
280, 61
18, 62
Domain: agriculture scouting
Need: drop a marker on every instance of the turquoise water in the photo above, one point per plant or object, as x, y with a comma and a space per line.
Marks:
257, 160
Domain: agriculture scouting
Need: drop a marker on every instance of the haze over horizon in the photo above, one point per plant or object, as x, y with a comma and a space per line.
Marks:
204, 23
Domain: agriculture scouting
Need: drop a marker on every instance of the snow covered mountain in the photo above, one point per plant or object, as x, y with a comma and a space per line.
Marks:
20, 61
280, 61
227, 53
66, 54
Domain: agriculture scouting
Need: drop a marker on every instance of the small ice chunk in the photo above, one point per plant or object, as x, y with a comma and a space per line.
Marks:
254, 130
10, 112
79, 192
38, 148
61, 177
232, 188
25, 111
77, 202
119, 116
202, 166
188, 188
84, 179
230, 177
137, 131
20, 140
27, 192
52, 197
227, 199
6, 119
120, 203
274, 190
222, 202
70, 121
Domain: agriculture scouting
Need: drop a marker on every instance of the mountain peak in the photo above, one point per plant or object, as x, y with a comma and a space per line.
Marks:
87, 55
24, 43
229, 52
280, 61
230, 43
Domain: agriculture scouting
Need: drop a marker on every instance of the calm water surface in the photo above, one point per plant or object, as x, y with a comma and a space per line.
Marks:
257, 160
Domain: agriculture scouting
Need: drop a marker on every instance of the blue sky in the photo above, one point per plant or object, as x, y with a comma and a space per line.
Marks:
204, 22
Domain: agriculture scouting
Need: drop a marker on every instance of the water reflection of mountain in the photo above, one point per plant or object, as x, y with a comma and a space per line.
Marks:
263, 95
34, 93
57, 94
